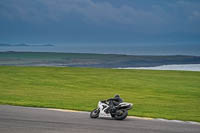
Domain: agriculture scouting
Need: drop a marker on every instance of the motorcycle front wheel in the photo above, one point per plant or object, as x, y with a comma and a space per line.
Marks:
121, 114
94, 113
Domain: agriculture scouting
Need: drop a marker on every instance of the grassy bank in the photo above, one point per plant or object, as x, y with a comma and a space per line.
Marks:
164, 94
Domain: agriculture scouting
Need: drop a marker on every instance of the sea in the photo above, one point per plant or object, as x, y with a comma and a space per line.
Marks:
106, 49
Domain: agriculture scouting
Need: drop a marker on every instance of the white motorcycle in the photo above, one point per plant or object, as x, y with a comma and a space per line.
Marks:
103, 111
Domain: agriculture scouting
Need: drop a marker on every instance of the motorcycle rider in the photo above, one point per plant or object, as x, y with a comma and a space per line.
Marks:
113, 102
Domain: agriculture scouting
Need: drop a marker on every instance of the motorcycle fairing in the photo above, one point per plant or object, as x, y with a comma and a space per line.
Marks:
103, 107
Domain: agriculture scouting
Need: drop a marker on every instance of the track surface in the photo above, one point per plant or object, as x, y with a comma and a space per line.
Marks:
15, 119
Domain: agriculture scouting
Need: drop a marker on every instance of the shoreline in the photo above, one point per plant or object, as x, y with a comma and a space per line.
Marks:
178, 67
98, 53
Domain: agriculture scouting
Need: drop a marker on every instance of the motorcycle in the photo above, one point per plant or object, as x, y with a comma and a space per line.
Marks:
120, 112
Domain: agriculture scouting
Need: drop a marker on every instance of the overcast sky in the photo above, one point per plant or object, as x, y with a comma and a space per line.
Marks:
99, 21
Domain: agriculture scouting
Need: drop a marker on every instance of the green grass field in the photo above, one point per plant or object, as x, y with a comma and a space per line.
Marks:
162, 94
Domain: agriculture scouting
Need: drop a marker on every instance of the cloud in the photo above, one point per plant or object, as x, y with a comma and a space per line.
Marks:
161, 16
101, 12
57, 10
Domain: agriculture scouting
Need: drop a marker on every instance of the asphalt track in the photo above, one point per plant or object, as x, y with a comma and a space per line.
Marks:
15, 119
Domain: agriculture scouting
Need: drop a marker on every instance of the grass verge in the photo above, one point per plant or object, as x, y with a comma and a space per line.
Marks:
163, 94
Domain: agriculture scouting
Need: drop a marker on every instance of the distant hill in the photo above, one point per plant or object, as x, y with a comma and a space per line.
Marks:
91, 60
22, 44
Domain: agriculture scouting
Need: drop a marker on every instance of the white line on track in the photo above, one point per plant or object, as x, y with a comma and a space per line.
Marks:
132, 117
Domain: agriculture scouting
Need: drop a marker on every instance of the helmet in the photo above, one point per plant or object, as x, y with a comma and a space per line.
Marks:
117, 95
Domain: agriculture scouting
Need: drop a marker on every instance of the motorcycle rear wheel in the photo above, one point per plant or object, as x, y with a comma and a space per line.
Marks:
121, 114
94, 113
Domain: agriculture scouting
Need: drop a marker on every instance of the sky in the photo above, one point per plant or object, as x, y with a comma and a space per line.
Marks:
100, 22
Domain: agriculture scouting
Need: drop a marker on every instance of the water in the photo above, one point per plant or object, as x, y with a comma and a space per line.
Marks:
186, 67
129, 50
